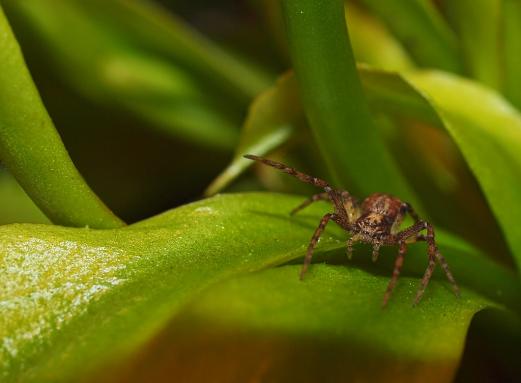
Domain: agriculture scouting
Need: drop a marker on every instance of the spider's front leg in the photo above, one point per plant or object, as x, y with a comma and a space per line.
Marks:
314, 240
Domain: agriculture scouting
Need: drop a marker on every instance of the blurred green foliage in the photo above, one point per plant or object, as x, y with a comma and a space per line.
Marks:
147, 105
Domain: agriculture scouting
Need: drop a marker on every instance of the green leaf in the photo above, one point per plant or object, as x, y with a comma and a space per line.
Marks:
487, 129
275, 317
478, 26
422, 30
334, 101
154, 27
511, 34
373, 43
111, 290
33, 151
272, 118
111, 69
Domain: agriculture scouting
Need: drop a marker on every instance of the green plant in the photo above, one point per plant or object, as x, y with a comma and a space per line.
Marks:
149, 110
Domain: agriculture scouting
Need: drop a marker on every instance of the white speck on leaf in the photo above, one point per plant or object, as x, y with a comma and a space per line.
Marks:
204, 210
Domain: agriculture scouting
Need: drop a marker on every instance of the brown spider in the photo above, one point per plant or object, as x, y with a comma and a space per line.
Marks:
375, 221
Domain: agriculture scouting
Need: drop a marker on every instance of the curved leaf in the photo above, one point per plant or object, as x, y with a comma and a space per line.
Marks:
372, 43
33, 151
334, 102
422, 31
110, 69
485, 127
271, 119
487, 130
478, 26
147, 22
72, 299
511, 34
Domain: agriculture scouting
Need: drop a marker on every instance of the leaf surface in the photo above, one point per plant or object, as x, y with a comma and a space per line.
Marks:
111, 290
332, 319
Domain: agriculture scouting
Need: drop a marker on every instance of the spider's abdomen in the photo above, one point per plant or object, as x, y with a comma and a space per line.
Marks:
383, 204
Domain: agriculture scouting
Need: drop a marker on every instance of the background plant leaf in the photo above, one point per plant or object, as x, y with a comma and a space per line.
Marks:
110, 290
333, 100
422, 30
511, 39
432, 161
114, 67
478, 26
373, 43
33, 151
487, 129
272, 118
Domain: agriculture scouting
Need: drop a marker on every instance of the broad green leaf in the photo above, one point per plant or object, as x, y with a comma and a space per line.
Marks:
372, 43
478, 26
73, 299
271, 119
32, 150
333, 99
511, 54
422, 30
278, 321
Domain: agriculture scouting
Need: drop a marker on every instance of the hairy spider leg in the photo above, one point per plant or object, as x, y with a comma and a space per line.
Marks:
445, 266
314, 240
425, 280
398, 263
433, 253
443, 263
376, 251
316, 197
286, 169
412, 212
351, 206
349, 246
333, 195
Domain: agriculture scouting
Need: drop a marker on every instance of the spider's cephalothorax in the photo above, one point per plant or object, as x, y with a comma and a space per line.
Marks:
376, 221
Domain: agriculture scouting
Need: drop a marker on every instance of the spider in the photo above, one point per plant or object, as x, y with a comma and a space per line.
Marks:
375, 221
